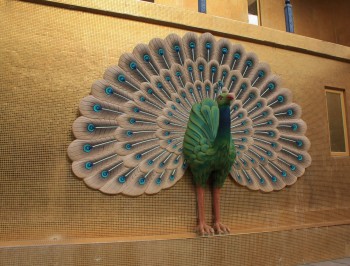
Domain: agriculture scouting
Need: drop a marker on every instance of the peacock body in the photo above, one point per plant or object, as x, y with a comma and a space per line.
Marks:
137, 133
208, 146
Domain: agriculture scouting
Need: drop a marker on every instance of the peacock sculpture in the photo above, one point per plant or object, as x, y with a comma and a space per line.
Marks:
192, 101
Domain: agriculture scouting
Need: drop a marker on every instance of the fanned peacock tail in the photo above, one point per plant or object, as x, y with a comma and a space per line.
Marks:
130, 134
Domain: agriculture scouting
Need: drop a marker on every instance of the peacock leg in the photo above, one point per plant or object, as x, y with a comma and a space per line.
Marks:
202, 227
218, 226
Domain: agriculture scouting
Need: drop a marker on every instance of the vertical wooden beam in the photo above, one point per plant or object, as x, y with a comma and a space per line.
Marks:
202, 6
288, 13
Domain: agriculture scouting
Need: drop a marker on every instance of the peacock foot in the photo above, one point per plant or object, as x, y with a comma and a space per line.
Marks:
221, 228
203, 229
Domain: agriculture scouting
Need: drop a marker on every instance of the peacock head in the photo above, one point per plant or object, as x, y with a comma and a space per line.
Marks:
225, 98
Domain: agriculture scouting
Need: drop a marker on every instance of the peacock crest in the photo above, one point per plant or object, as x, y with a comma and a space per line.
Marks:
131, 129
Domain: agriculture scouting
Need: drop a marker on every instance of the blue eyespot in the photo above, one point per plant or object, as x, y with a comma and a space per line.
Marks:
271, 134
290, 112
88, 165
271, 86
294, 127
97, 108
200, 67
150, 162
109, 90
300, 157
224, 50
213, 69
136, 110
142, 181
269, 153
121, 179
149, 91
208, 45
160, 51
243, 86
207, 88
284, 173
262, 181
104, 174
299, 143
146, 58
274, 179
237, 56
178, 73
138, 156
90, 127
261, 73
192, 45
167, 78
159, 181
249, 63
234, 78
133, 65
280, 98
292, 167
177, 48
171, 177
128, 146
159, 85
121, 78
87, 148
132, 120
142, 99
166, 133
190, 69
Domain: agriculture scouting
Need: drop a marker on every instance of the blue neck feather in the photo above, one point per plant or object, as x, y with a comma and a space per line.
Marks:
224, 129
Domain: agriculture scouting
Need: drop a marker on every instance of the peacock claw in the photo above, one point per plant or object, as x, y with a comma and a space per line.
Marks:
221, 228
204, 230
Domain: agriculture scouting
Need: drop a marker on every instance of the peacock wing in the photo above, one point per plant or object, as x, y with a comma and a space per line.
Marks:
201, 132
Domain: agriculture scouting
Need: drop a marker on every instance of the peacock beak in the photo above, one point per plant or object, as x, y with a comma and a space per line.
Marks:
231, 96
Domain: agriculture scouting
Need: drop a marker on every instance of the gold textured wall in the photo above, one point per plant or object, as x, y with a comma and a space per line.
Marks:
49, 57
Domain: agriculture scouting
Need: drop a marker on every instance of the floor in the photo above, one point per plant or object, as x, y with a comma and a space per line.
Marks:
337, 262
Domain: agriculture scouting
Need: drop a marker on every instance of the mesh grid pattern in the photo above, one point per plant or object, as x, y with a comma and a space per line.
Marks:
49, 59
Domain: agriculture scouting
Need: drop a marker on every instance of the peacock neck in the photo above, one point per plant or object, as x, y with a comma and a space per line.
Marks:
224, 131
